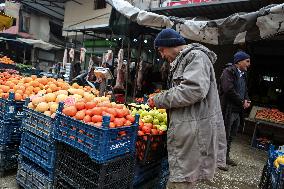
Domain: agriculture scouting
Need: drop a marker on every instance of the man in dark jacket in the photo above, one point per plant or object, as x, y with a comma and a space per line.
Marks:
234, 97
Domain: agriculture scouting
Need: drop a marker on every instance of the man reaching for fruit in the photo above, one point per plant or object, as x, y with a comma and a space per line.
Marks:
196, 138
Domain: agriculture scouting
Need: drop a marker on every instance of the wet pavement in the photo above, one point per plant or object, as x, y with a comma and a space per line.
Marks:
244, 176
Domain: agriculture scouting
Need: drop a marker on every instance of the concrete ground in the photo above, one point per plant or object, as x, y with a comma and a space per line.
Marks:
245, 176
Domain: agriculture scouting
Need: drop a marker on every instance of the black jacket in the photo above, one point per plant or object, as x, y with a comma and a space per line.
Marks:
229, 97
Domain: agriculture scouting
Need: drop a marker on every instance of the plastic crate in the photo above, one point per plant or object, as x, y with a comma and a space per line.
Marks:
277, 178
272, 178
11, 109
31, 176
10, 132
259, 144
100, 143
144, 173
60, 183
151, 148
80, 171
164, 175
38, 123
8, 158
38, 150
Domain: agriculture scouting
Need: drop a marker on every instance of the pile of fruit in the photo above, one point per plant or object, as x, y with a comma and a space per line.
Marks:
279, 160
6, 60
92, 112
85, 107
80, 102
272, 115
139, 100
24, 87
152, 122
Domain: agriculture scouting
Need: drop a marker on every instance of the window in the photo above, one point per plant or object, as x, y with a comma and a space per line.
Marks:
25, 22
99, 4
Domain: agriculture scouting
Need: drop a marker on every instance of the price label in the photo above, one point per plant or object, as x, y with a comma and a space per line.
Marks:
35, 96
70, 101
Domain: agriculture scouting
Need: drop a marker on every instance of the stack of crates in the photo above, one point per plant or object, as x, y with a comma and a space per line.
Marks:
10, 133
94, 157
151, 150
37, 150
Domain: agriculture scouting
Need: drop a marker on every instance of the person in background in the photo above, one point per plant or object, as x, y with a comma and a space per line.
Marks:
234, 98
196, 140
76, 69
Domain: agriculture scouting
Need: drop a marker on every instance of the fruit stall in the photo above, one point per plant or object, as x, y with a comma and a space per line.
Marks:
59, 135
8, 63
268, 127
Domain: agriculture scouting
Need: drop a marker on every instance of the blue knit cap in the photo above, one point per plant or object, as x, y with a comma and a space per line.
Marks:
239, 56
169, 38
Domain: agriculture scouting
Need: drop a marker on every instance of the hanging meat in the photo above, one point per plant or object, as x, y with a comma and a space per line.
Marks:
140, 75
82, 55
119, 85
107, 57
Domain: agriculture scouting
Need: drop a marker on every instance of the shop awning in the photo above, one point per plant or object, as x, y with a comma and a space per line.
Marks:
6, 21
102, 28
39, 44
237, 28
212, 10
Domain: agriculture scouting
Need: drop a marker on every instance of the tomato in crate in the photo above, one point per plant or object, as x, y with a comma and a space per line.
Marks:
151, 148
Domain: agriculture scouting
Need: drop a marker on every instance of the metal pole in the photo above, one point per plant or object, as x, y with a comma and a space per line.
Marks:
93, 47
84, 47
127, 70
24, 61
136, 65
75, 41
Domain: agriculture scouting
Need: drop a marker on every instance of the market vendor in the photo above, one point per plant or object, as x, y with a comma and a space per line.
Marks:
234, 98
196, 138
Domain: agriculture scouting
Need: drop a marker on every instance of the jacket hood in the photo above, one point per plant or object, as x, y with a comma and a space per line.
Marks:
196, 46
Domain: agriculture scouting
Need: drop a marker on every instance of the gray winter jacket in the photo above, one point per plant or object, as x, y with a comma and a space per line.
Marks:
196, 135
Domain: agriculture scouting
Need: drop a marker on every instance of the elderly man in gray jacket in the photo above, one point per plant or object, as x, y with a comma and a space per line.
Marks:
196, 136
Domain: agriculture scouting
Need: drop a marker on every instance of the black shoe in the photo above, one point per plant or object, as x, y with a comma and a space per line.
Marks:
231, 162
224, 168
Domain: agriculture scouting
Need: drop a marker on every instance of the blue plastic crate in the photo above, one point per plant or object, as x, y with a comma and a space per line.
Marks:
31, 176
10, 132
38, 123
11, 109
164, 175
8, 158
100, 143
277, 178
38, 150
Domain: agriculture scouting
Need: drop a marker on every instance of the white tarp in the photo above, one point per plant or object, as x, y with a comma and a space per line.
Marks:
237, 28
39, 43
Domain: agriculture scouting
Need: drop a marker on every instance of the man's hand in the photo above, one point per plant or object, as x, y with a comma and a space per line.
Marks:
151, 102
246, 104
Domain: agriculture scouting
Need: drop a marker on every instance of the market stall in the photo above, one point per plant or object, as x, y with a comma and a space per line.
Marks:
267, 127
71, 136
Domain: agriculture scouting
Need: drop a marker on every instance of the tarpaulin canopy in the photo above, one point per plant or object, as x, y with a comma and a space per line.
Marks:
5, 21
235, 29
39, 43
